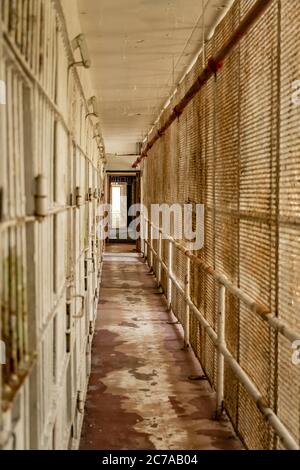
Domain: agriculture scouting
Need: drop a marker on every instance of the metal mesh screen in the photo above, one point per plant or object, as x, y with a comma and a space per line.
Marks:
235, 148
288, 386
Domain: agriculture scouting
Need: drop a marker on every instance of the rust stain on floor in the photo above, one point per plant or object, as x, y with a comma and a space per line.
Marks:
139, 395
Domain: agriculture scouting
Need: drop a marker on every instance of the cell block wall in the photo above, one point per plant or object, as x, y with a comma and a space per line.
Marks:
51, 180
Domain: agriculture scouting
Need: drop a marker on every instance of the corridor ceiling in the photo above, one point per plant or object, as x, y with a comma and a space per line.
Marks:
140, 49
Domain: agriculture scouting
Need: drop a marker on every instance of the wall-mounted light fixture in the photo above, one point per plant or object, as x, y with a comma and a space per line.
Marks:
80, 43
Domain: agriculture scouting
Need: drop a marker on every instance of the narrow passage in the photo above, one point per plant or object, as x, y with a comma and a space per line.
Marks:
139, 395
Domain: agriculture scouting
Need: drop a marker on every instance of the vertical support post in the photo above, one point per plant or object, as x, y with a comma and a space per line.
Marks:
151, 245
146, 238
187, 308
170, 258
142, 234
159, 259
221, 342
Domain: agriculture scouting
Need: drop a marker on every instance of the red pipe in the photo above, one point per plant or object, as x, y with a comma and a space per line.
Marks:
214, 65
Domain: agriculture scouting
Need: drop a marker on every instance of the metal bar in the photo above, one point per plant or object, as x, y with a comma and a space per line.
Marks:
143, 243
151, 247
159, 259
31, 218
221, 342
146, 238
187, 308
169, 271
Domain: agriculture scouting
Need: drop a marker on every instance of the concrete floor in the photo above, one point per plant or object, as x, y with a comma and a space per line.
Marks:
139, 395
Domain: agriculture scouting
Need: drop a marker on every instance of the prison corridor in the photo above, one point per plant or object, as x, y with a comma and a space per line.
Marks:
140, 394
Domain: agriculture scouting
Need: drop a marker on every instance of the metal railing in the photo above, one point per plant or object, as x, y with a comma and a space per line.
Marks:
217, 337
